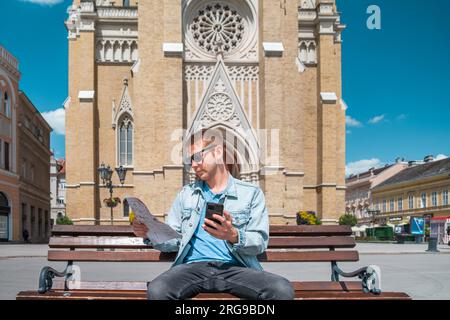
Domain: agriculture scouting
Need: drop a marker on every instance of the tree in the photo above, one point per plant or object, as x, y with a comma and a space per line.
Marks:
348, 220
64, 221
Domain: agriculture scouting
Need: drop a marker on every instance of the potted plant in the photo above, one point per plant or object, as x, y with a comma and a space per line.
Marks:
111, 202
307, 218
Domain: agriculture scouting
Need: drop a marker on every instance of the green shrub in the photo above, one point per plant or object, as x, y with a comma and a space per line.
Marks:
348, 220
64, 221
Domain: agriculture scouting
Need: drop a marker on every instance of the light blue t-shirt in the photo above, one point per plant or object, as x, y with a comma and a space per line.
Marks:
204, 246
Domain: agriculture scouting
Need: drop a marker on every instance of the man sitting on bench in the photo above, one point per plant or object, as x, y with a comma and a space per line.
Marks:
216, 257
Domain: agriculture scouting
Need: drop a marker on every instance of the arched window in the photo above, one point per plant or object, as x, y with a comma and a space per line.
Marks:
126, 3
7, 103
125, 141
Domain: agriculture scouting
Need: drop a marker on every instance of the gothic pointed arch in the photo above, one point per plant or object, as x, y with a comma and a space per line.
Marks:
123, 123
125, 106
221, 108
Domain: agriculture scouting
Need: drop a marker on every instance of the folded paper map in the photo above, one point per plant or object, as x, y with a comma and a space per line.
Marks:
159, 232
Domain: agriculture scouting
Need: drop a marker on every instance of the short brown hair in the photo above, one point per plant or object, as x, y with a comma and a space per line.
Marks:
218, 137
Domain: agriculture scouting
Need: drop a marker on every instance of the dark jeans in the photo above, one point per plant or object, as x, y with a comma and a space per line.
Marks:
185, 281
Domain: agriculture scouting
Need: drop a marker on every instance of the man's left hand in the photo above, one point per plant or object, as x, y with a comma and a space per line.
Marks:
225, 230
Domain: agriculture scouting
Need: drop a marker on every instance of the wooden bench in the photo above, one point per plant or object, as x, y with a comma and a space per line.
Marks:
330, 244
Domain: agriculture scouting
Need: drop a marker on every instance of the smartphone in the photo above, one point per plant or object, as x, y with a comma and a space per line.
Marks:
213, 208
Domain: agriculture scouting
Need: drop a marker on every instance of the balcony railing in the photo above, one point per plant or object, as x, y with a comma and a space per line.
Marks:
7, 57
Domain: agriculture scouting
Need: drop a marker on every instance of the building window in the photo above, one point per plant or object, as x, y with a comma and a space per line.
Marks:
39, 222
400, 204
7, 104
423, 200
434, 201
392, 205
411, 202
24, 168
384, 205
1, 153
46, 223
24, 216
445, 198
126, 209
32, 173
126, 3
32, 219
125, 140
62, 185
6, 156
27, 122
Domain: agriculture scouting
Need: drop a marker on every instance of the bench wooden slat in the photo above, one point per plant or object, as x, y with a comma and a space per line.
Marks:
127, 231
137, 243
137, 295
142, 286
157, 256
310, 231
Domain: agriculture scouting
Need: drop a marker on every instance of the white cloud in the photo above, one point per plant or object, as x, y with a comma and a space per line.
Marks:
57, 120
441, 157
351, 122
362, 166
377, 119
44, 2
402, 116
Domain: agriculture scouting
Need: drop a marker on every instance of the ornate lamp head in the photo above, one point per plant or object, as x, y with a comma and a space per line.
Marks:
122, 173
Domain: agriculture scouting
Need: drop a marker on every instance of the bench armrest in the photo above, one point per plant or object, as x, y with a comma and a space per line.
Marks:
370, 277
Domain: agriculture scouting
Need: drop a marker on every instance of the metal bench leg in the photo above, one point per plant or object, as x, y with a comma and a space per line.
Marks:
370, 276
47, 275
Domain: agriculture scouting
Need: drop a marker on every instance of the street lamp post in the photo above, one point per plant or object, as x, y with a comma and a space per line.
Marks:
373, 213
106, 173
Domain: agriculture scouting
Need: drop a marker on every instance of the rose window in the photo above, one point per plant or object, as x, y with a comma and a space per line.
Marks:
217, 26
220, 107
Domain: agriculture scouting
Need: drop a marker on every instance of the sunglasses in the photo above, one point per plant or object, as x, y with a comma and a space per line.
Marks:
198, 156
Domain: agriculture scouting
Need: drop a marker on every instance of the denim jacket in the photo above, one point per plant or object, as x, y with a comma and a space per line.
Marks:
245, 203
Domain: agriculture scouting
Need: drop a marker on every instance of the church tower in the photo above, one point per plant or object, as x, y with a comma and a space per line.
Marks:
144, 76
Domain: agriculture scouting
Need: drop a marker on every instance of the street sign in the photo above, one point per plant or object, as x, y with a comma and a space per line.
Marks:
417, 226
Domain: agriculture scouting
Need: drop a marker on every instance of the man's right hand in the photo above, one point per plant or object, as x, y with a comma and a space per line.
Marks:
140, 229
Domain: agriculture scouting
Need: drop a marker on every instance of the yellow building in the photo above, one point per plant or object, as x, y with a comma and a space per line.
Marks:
143, 76
418, 191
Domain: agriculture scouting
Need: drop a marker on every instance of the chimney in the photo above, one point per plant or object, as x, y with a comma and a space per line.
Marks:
428, 159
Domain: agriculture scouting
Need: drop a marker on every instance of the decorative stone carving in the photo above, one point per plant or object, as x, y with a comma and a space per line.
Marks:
308, 4
235, 72
220, 107
315, 19
125, 106
307, 52
198, 71
87, 17
217, 23
116, 50
232, 23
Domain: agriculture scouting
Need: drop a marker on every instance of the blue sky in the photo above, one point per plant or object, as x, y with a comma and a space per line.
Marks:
396, 80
